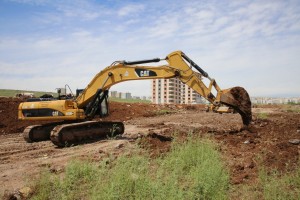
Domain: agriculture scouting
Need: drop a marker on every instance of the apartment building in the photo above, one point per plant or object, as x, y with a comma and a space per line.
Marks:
121, 95
173, 91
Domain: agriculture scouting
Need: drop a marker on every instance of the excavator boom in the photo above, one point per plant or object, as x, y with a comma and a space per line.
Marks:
93, 99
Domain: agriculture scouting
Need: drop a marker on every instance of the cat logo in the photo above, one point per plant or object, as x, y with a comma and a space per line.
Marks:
144, 73
55, 113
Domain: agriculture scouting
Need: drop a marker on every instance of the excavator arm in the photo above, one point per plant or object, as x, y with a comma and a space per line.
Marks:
125, 71
180, 66
90, 101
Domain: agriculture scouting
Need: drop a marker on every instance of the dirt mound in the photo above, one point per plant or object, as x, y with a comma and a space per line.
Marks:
126, 111
9, 122
157, 144
9, 116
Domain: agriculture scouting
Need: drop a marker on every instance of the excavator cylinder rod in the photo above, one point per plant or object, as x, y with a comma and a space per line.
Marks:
75, 133
141, 61
205, 74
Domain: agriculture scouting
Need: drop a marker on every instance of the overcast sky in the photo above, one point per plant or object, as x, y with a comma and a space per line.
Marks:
45, 44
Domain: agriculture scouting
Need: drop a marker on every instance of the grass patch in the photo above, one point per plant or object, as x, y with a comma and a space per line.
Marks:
262, 115
79, 175
292, 108
271, 185
192, 170
276, 185
12, 93
128, 100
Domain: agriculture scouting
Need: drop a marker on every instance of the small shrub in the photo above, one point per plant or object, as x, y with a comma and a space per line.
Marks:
193, 170
270, 185
292, 108
262, 116
276, 185
164, 112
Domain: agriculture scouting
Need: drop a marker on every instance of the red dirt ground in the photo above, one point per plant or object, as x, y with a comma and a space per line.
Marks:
265, 143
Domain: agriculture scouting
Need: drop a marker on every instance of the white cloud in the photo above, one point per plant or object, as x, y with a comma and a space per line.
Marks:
130, 9
254, 44
32, 2
165, 27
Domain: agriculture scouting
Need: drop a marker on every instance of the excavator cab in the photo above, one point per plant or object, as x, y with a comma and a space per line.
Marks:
104, 110
98, 106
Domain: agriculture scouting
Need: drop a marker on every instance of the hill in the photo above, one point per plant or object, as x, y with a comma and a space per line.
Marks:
12, 93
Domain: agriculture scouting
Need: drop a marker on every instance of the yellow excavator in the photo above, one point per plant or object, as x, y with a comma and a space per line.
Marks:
75, 115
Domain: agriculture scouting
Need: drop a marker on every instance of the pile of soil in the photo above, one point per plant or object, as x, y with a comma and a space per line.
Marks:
10, 124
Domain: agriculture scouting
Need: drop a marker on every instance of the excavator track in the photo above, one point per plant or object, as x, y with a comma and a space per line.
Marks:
69, 134
37, 133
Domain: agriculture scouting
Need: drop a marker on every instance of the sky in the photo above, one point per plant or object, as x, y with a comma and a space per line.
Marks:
45, 44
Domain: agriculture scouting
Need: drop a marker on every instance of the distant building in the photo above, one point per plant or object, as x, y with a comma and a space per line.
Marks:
126, 95
136, 97
269, 100
169, 91
166, 91
113, 94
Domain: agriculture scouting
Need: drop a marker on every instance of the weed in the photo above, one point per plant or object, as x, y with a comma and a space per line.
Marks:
128, 100
164, 112
262, 115
192, 170
275, 185
112, 134
292, 108
271, 185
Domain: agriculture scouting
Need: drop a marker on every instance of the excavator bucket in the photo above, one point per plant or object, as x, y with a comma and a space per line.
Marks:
238, 98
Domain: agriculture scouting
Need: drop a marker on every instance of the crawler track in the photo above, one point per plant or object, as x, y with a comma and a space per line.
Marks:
68, 134
37, 133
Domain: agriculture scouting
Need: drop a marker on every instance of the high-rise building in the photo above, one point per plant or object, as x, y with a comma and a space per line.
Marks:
173, 91
113, 93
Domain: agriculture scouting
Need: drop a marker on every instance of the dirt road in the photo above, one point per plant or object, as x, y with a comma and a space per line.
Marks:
265, 143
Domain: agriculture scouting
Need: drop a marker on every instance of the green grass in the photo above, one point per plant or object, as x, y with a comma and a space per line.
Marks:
128, 100
12, 93
292, 108
271, 185
262, 115
192, 170
279, 186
